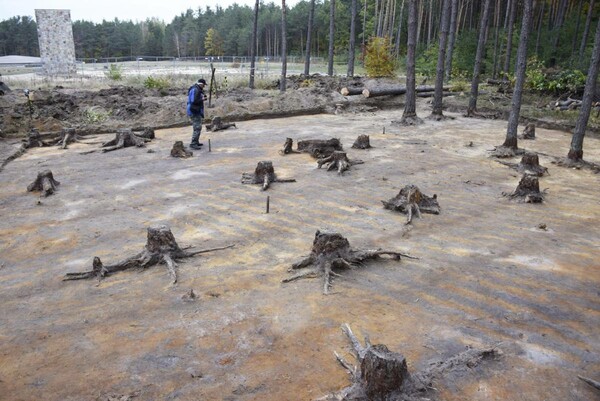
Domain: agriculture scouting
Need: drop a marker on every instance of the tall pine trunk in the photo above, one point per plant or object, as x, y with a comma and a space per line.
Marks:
311, 16
513, 118
282, 82
576, 150
559, 23
351, 49
253, 46
331, 37
439, 77
509, 35
478, 57
586, 32
451, 39
409, 117
539, 29
574, 45
496, 36
398, 35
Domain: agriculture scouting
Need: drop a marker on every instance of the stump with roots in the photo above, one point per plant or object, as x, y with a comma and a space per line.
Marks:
530, 165
362, 142
408, 120
529, 132
338, 161
576, 164
528, 190
180, 151
125, 138
34, 140
147, 133
264, 174
382, 374
412, 201
318, 148
44, 182
216, 124
287, 147
331, 251
67, 136
161, 247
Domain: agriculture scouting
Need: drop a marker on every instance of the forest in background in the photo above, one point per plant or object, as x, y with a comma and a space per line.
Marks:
561, 38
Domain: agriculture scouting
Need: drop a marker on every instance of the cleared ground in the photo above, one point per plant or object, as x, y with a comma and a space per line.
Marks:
486, 274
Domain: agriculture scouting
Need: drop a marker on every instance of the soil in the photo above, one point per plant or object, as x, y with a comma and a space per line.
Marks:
491, 272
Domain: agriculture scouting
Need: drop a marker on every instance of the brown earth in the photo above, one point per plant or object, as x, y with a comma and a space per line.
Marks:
487, 274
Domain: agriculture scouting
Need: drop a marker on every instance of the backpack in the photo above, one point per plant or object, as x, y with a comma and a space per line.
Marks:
197, 105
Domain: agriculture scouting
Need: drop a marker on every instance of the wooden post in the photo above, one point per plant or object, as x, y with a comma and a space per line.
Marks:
209, 145
383, 130
268, 199
210, 89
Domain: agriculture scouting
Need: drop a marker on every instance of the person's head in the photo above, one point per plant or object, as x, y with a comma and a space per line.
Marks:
202, 82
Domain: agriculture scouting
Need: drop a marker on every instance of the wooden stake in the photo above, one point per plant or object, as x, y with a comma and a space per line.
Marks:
268, 199
384, 130
209, 146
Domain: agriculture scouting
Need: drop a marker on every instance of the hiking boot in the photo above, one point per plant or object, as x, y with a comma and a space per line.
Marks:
194, 146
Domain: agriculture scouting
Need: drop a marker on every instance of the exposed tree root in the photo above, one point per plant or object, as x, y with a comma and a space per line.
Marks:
216, 124
412, 201
125, 138
287, 147
331, 251
576, 164
34, 140
264, 174
67, 136
383, 375
338, 161
362, 142
179, 150
506, 151
44, 182
527, 191
318, 148
529, 132
484, 116
407, 121
591, 382
161, 247
530, 164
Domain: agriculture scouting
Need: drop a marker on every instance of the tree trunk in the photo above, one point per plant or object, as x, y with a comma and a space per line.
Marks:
576, 150
409, 117
399, 33
282, 82
331, 37
311, 16
539, 30
513, 119
253, 45
559, 23
451, 39
511, 23
496, 41
395, 90
351, 49
530, 165
436, 112
586, 32
45, 183
472, 109
574, 44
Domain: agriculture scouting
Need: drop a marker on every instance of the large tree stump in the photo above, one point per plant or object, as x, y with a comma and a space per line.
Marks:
529, 132
161, 247
412, 201
287, 147
528, 190
67, 136
362, 142
34, 140
216, 124
124, 138
147, 133
179, 150
331, 251
338, 161
530, 164
44, 182
318, 148
263, 174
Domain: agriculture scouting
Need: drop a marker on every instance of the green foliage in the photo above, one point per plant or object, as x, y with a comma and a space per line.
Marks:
157, 83
95, 115
554, 82
213, 43
115, 72
426, 62
378, 60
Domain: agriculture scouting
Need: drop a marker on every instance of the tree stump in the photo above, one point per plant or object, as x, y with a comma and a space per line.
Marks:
529, 132
338, 161
161, 247
530, 165
263, 174
34, 139
67, 136
44, 182
362, 142
411, 200
180, 151
331, 251
287, 147
408, 120
147, 133
318, 148
216, 124
528, 190
124, 138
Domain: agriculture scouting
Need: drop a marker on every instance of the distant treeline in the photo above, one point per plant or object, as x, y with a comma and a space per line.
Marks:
560, 37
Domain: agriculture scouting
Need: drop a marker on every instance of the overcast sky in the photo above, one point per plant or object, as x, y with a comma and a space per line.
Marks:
135, 10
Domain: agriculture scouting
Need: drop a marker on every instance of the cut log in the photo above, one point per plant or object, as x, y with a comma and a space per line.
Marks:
216, 124
44, 182
264, 174
411, 201
529, 132
352, 91
331, 251
287, 147
124, 138
161, 247
530, 165
179, 150
338, 161
395, 90
34, 140
362, 142
318, 148
527, 191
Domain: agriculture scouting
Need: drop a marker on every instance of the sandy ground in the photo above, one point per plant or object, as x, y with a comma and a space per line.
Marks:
486, 275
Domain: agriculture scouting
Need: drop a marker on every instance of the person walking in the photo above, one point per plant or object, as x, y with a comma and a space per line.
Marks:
195, 110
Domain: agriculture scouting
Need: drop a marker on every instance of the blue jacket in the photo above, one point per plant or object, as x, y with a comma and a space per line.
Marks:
191, 96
